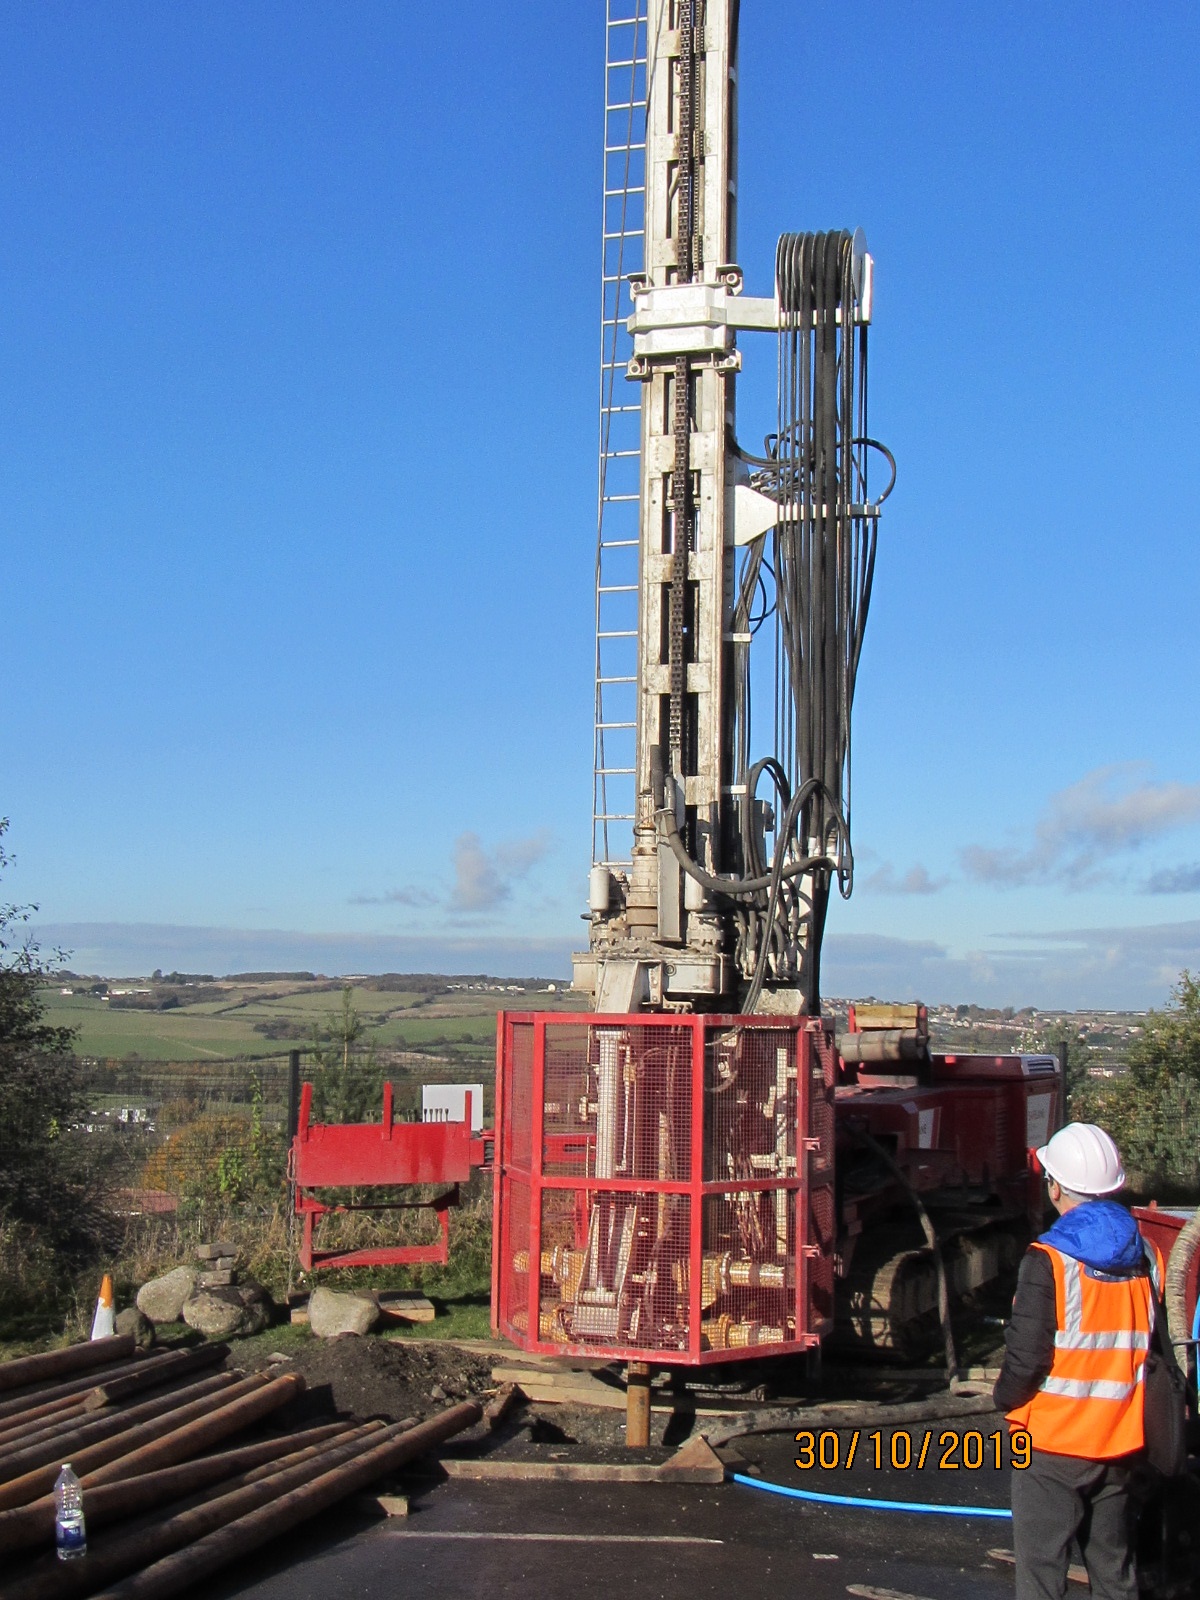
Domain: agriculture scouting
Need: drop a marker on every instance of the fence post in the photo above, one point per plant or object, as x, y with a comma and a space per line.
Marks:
293, 1094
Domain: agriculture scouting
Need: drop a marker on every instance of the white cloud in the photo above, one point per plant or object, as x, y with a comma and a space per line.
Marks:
917, 880
1174, 880
1085, 826
406, 896
1110, 968
483, 881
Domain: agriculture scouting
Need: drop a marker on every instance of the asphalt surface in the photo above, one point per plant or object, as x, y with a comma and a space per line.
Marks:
573, 1542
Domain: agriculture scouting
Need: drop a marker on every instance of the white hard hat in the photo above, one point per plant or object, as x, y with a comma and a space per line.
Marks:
1081, 1157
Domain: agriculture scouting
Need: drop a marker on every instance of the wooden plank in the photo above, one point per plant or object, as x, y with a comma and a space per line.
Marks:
607, 1397
406, 1308
485, 1470
378, 1505
555, 1377
695, 1462
1075, 1573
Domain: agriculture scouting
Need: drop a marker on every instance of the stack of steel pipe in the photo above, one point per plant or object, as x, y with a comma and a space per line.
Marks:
168, 1499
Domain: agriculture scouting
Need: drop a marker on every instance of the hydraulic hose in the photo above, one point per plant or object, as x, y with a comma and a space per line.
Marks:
870, 1413
931, 1240
737, 887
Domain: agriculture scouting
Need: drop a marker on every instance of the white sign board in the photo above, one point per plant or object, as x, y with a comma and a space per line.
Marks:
447, 1102
1037, 1120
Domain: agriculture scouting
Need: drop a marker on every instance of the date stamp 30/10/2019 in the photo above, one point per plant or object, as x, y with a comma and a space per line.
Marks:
947, 1451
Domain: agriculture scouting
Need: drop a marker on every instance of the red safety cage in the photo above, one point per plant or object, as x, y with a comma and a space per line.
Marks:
663, 1185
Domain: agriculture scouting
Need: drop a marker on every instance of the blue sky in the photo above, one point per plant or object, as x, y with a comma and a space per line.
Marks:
297, 479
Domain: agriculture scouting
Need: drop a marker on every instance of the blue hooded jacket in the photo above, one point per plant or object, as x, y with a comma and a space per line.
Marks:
1101, 1234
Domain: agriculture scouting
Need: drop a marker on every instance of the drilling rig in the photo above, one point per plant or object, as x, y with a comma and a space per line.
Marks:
684, 1174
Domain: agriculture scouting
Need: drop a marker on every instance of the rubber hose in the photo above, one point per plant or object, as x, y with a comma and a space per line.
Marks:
1179, 1264
922, 1507
782, 1419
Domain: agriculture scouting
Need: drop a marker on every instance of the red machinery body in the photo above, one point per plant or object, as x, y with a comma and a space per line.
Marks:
663, 1185
386, 1154
969, 1130
672, 1176
1162, 1225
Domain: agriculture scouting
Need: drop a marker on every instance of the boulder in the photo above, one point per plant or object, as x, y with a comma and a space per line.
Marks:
224, 1313
330, 1313
133, 1321
161, 1300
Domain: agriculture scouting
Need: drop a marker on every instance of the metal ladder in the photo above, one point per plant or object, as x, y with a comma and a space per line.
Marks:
614, 764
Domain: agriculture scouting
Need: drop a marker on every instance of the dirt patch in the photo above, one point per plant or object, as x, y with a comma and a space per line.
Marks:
360, 1377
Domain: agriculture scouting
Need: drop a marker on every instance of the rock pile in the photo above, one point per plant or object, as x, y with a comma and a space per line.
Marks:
215, 1299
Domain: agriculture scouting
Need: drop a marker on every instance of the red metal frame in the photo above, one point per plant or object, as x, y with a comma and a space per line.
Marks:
385, 1154
1162, 1225
671, 1236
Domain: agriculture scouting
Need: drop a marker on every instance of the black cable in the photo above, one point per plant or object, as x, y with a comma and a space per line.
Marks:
820, 561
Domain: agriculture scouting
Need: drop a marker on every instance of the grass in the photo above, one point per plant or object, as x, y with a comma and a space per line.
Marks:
459, 1023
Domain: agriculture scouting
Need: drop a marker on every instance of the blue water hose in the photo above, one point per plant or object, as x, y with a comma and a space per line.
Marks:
922, 1507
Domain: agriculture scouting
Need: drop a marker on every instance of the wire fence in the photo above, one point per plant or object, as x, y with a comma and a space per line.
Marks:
168, 1135
133, 1164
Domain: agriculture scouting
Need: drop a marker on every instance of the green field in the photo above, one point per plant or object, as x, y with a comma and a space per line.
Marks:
236, 1019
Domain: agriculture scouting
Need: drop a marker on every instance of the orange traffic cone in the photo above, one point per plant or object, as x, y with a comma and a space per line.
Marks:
104, 1322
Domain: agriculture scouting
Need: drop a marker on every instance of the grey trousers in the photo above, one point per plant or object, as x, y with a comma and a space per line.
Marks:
1058, 1498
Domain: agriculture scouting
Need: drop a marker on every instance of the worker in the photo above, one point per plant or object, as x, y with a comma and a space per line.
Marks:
1072, 1375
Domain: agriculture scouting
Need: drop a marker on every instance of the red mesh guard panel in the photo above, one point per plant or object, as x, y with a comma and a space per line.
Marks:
518, 1099
614, 1270
822, 1078
618, 1102
822, 1234
514, 1250
669, 1201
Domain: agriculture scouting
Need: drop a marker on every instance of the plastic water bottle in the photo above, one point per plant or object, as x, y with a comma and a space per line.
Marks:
70, 1534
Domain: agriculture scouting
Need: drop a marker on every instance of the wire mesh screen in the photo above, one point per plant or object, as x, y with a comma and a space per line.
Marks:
512, 1235
160, 1137
672, 1171
518, 1096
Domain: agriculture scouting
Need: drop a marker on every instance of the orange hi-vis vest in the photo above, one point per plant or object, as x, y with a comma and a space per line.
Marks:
1092, 1402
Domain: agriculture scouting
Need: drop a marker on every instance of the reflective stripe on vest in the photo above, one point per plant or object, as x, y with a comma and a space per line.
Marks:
1091, 1403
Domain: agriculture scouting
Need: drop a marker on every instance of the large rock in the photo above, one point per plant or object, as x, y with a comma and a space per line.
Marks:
162, 1298
224, 1313
330, 1313
133, 1321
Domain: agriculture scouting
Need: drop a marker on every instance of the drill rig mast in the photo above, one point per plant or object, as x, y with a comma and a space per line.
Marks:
720, 904
686, 1172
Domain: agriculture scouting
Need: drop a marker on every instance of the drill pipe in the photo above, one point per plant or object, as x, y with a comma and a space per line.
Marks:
174, 1573
180, 1444
75, 1437
84, 1395
125, 1551
26, 1527
241, 1404
29, 1430
152, 1371
75, 1358
89, 1406
33, 1395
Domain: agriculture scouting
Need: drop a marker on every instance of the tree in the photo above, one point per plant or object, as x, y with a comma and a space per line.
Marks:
344, 1090
45, 1182
1153, 1111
